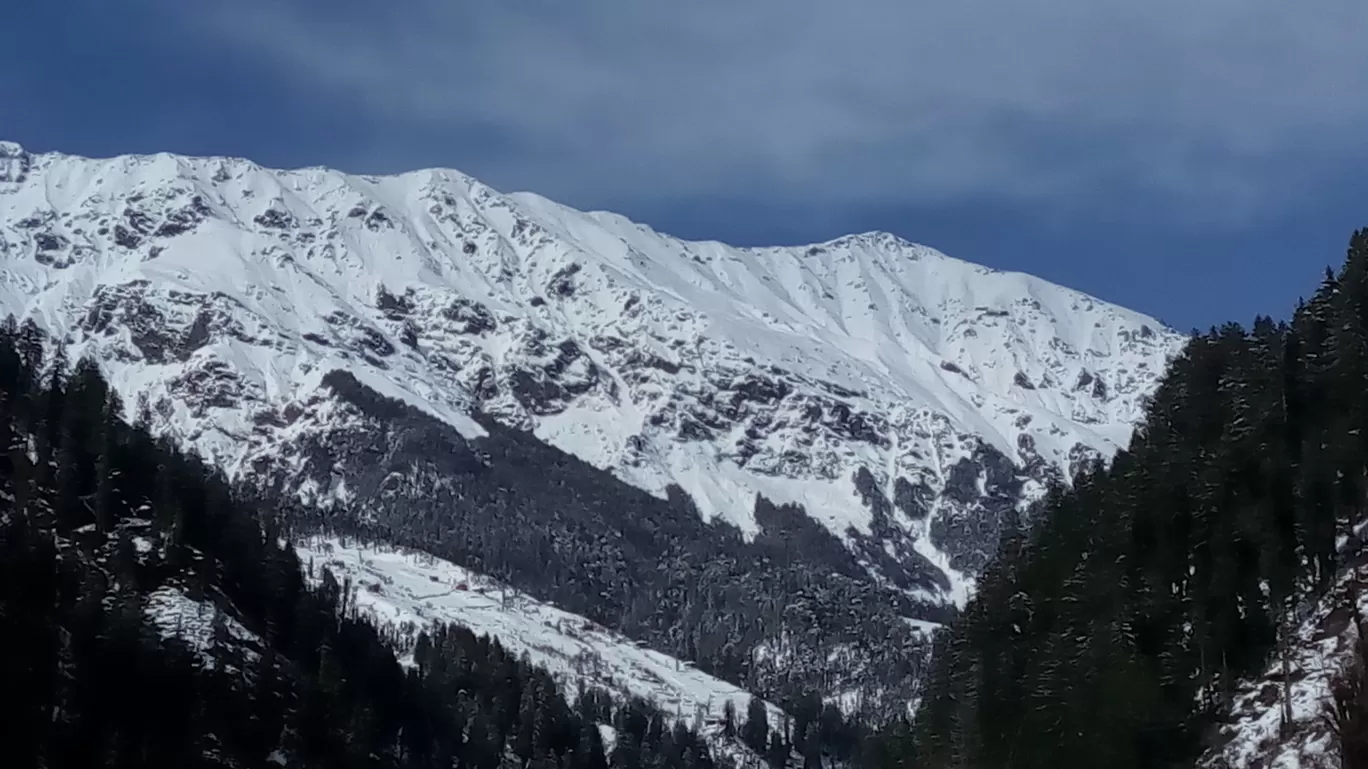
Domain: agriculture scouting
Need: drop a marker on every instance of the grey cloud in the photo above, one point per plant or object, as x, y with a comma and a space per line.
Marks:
862, 100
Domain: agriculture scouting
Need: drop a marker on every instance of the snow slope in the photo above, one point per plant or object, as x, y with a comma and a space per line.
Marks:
1252, 735
904, 397
409, 591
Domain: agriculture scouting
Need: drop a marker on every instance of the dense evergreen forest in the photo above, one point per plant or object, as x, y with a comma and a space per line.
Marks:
1110, 631
99, 521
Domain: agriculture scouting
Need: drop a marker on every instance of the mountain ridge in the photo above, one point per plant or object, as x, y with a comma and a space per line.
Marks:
906, 399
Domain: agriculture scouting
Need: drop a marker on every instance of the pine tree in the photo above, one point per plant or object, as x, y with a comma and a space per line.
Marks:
812, 747
589, 750
755, 732
778, 753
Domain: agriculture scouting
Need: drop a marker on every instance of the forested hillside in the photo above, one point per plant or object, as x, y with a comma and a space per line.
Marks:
790, 614
1112, 633
112, 545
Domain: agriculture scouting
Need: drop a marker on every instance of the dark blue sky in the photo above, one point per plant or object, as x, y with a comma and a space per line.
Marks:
1199, 162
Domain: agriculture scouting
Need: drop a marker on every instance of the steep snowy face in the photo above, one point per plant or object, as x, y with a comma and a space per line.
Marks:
906, 399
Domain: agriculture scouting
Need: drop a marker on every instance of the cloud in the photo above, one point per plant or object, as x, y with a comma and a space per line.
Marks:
1229, 105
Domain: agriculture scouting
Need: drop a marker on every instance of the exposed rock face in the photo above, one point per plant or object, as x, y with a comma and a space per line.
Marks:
906, 400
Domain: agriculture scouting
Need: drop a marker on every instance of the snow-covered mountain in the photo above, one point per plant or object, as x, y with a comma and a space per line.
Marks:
906, 399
